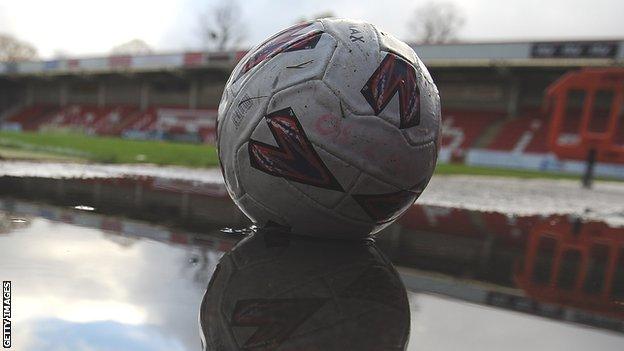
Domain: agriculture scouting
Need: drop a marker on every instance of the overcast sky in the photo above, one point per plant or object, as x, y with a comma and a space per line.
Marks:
80, 27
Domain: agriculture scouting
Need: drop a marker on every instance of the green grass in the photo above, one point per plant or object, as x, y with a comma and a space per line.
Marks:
76, 147
8, 153
459, 169
111, 150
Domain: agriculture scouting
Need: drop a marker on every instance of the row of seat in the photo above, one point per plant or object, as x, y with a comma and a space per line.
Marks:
461, 130
525, 133
118, 120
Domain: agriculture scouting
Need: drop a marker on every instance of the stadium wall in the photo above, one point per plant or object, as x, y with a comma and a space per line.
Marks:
538, 162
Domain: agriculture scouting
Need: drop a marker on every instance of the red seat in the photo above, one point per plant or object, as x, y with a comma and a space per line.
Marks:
526, 133
461, 128
31, 118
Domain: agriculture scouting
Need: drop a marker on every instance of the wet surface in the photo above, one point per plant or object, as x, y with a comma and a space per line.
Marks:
278, 291
505, 195
89, 171
85, 274
82, 288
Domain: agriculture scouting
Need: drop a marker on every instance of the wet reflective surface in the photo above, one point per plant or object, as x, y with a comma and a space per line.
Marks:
86, 275
521, 197
278, 291
82, 281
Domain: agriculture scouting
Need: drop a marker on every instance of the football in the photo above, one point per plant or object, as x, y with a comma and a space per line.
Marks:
329, 128
276, 291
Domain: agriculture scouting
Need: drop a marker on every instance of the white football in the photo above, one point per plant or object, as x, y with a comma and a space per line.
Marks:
330, 128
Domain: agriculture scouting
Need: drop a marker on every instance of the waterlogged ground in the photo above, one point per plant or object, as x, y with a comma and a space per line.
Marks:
76, 170
90, 282
605, 201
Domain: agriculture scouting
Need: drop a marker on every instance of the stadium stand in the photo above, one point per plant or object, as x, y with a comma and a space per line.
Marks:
81, 117
492, 95
143, 121
619, 135
461, 128
31, 118
539, 140
166, 122
525, 133
115, 120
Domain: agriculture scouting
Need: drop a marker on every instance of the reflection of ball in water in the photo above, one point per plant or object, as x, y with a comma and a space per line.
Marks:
330, 127
280, 292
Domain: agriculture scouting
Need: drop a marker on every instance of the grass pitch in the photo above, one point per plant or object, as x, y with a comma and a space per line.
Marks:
111, 150
459, 169
78, 147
